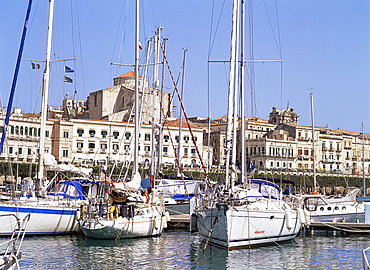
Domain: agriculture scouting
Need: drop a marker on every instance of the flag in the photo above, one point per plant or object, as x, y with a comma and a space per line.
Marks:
35, 66
140, 47
68, 79
68, 69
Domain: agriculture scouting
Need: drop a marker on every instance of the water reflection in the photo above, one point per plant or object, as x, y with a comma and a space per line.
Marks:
182, 250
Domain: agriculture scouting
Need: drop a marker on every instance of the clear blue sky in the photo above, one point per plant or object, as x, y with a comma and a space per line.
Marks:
325, 45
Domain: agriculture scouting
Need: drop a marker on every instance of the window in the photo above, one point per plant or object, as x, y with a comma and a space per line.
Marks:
65, 153
127, 135
193, 151
186, 151
306, 152
115, 134
91, 145
103, 146
21, 131
165, 149
16, 130
35, 132
146, 148
186, 139
65, 134
95, 100
47, 133
26, 131
123, 102
11, 129
20, 151
104, 134
30, 133
272, 164
115, 147
80, 145
337, 146
38, 132
92, 133
177, 138
126, 147
166, 138
80, 132
147, 137
10, 149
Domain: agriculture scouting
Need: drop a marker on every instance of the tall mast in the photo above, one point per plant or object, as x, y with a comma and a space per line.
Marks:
155, 87
15, 77
231, 94
235, 117
182, 98
45, 92
160, 115
136, 146
313, 144
363, 159
242, 94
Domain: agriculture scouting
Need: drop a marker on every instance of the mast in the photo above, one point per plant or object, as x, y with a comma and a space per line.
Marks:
242, 95
160, 115
231, 94
136, 145
45, 92
155, 86
15, 77
235, 117
313, 144
180, 123
363, 159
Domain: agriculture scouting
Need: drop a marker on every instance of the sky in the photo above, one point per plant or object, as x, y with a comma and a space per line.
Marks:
324, 47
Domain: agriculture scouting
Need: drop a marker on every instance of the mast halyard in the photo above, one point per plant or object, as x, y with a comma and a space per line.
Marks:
313, 145
180, 122
45, 92
136, 144
363, 160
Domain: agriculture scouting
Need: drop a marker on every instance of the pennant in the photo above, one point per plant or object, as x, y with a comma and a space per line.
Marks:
68, 79
68, 69
140, 47
35, 66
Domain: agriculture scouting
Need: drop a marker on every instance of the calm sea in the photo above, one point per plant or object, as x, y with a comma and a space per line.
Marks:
183, 250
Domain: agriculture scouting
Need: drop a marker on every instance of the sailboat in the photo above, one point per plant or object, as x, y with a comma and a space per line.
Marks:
49, 214
322, 208
131, 209
242, 216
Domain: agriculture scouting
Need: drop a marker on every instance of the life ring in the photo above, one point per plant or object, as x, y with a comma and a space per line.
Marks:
112, 211
83, 210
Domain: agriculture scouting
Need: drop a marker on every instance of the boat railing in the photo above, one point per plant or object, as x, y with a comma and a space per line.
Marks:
365, 260
13, 248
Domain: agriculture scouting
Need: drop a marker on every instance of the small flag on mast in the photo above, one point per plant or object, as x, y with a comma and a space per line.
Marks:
35, 66
68, 69
140, 47
68, 79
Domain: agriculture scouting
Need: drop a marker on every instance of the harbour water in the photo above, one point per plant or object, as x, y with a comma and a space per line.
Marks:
183, 250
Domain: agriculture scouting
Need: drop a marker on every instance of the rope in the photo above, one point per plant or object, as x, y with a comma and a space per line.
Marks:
341, 229
183, 109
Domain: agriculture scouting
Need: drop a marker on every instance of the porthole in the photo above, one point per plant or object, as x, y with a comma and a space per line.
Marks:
343, 208
321, 208
329, 208
336, 208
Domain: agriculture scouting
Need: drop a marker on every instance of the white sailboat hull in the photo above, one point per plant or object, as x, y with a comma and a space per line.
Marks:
44, 219
240, 227
149, 224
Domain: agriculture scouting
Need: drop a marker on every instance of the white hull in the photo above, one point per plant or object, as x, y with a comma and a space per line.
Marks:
149, 223
242, 228
44, 219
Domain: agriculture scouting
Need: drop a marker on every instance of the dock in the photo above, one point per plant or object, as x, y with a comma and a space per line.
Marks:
342, 226
179, 222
